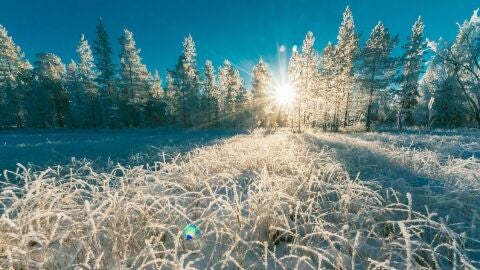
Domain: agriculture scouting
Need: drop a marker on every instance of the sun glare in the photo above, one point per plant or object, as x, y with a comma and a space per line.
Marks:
284, 94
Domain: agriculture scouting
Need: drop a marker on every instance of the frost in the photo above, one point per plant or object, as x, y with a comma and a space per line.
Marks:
261, 200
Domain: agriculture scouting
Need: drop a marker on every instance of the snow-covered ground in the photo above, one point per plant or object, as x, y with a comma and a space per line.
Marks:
276, 201
137, 146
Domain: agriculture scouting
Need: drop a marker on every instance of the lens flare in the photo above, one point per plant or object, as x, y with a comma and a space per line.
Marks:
190, 232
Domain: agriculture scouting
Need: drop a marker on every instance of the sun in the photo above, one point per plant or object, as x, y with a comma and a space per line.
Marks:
284, 94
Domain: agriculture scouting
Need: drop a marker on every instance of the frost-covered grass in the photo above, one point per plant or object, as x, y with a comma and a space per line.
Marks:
272, 201
447, 155
458, 143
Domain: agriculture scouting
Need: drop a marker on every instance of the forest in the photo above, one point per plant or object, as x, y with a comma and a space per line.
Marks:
344, 86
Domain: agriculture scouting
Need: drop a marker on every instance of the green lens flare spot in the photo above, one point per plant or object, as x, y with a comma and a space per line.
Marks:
190, 232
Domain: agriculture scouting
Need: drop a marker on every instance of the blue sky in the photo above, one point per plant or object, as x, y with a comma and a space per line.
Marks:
241, 31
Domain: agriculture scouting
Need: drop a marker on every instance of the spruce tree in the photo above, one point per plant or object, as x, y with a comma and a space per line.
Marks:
232, 96
347, 51
134, 81
87, 75
52, 104
304, 73
12, 90
239, 94
155, 102
377, 65
261, 88
103, 59
108, 95
210, 93
171, 99
412, 65
76, 95
329, 96
187, 80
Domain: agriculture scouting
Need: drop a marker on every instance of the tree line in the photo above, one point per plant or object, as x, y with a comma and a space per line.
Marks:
92, 93
352, 86
345, 86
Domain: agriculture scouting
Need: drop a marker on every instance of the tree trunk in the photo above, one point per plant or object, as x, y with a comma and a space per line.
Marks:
346, 111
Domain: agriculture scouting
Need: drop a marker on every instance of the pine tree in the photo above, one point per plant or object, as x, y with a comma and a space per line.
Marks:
155, 102
293, 80
329, 97
12, 90
87, 76
304, 73
346, 54
239, 93
210, 94
171, 100
52, 105
377, 65
232, 96
105, 79
224, 97
103, 59
261, 88
134, 81
412, 65
187, 80
76, 95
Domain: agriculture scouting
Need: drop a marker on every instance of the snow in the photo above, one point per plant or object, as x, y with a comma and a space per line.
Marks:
261, 200
53, 147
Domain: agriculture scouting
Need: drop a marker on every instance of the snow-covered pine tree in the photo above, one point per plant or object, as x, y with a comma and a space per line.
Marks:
155, 111
134, 81
224, 95
51, 100
210, 107
261, 89
232, 96
103, 59
293, 80
171, 99
76, 96
240, 109
412, 61
346, 54
377, 65
102, 52
328, 96
188, 84
87, 76
305, 72
12, 87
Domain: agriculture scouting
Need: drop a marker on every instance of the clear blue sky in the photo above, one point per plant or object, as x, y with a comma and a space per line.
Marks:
241, 30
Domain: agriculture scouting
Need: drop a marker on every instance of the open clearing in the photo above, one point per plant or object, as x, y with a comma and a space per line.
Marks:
262, 201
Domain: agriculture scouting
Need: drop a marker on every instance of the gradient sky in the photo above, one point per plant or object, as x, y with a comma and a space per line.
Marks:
241, 30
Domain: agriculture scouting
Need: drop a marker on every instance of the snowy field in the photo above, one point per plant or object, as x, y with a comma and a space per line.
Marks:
386, 200
40, 149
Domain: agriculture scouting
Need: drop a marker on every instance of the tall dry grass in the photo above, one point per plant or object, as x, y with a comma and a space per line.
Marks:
261, 201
